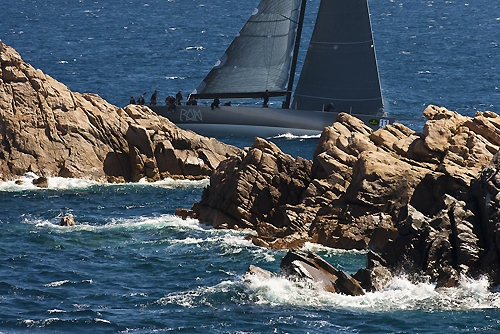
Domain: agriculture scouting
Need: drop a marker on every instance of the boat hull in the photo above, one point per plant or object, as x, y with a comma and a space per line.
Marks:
256, 121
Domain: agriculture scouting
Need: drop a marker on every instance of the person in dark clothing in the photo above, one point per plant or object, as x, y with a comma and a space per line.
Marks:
141, 101
266, 98
329, 108
132, 100
178, 98
192, 101
215, 104
170, 102
154, 97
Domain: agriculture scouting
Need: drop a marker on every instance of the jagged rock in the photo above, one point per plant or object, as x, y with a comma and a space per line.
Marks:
47, 129
291, 241
485, 193
352, 228
443, 245
376, 276
262, 273
311, 266
67, 221
359, 185
383, 181
250, 189
41, 182
184, 214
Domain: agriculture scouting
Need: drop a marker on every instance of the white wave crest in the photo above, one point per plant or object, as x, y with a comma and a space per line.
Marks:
60, 283
136, 223
55, 311
292, 136
401, 294
309, 246
60, 183
102, 320
169, 182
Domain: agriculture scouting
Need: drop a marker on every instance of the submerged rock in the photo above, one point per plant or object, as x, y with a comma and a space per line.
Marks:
47, 129
310, 267
67, 221
41, 182
184, 214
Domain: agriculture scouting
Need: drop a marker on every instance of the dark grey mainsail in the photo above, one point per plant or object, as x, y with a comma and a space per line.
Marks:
340, 65
259, 58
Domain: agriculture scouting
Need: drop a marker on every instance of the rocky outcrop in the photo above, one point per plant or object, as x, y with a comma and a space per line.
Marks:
310, 267
67, 221
359, 181
47, 129
455, 238
254, 191
401, 193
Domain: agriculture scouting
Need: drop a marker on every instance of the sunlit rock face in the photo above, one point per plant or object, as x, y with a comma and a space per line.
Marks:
407, 195
47, 129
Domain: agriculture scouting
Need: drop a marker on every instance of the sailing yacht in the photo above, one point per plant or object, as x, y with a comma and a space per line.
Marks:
340, 70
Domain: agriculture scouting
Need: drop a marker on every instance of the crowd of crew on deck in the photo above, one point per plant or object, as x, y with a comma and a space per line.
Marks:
172, 102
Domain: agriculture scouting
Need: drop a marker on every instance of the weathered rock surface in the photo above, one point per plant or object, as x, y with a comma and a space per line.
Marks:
47, 129
67, 221
310, 267
405, 194
256, 188
453, 238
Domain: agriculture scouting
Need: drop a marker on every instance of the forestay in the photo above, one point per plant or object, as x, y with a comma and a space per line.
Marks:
259, 58
340, 65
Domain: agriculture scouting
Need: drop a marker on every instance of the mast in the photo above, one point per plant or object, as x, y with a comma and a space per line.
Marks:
295, 55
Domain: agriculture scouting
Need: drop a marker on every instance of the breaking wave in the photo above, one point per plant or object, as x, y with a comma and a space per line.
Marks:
401, 294
292, 136
59, 183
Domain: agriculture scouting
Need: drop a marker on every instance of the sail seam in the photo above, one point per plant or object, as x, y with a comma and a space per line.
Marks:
335, 99
343, 43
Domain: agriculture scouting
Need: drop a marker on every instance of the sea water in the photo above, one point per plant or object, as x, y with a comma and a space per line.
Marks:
129, 265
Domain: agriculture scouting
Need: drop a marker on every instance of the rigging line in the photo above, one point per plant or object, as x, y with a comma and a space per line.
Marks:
288, 18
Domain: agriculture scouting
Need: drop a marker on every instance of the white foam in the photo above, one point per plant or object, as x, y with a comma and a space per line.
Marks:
136, 223
60, 283
292, 136
169, 182
401, 294
102, 320
55, 284
309, 246
60, 183
232, 242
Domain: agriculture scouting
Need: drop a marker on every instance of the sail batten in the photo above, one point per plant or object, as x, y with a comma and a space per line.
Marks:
340, 65
259, 58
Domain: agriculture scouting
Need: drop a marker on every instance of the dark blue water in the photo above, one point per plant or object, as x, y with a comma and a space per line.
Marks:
131, 266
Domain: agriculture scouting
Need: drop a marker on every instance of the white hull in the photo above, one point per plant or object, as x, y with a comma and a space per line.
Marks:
254, 121
234, 130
